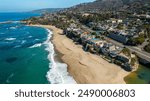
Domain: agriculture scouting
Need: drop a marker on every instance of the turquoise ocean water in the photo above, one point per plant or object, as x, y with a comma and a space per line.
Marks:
27, 55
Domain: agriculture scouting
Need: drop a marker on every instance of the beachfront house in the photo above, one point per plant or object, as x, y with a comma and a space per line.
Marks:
94, 44
73, 31
123, 61
107, 48
119, 36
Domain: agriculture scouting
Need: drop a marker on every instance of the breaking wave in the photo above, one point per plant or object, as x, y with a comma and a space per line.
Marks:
58, 71
10, 39
36, 45
12, 28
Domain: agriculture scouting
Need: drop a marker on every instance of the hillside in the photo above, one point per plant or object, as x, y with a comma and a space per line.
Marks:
110, 5
47, 10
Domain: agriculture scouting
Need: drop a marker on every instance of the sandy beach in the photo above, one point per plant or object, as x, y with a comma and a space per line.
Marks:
86, 68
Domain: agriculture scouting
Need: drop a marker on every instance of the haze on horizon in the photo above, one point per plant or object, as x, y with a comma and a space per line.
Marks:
28, 5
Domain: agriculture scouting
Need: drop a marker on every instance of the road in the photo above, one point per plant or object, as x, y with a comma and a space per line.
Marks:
142, 54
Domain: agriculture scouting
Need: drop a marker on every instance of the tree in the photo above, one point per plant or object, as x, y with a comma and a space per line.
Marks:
139, 40
136, 41
120, 27
94, 33
133, 61
147, 48
127, 52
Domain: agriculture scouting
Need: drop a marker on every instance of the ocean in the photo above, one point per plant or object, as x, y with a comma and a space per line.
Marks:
27, 54
141, 76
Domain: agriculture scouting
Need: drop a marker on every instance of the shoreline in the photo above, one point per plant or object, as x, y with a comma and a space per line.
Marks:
57, 73
97, 71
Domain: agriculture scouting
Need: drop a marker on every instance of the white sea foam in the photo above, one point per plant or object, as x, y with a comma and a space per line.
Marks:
12, 28
10, 39
18, 46
37, 39
58, 71
30, 36
36, 45
23, 41
8, 79
15, 21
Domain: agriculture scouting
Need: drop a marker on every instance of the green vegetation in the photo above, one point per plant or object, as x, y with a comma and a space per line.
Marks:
120, 26
94, 33
137, 41
93, 17
133, 61
105, 33
127, 52
60, 21
147, 48
99, 37
147, 28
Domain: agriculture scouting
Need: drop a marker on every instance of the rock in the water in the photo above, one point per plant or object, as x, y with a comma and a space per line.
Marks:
11, 60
